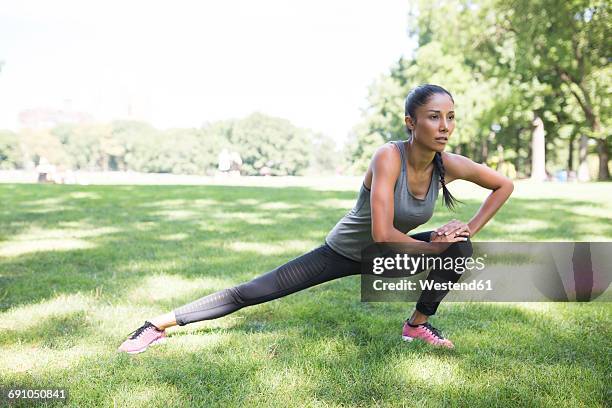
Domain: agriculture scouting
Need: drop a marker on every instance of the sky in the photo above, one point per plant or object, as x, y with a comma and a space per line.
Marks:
184, 63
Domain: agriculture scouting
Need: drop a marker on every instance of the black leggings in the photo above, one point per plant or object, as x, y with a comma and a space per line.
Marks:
320, 265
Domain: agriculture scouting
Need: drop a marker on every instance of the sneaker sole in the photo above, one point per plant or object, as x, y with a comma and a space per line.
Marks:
409, 339
161, 340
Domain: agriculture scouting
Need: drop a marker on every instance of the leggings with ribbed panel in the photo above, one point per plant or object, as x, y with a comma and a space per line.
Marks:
320, 265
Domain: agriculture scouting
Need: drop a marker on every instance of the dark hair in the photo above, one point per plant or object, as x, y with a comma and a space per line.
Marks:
419, 97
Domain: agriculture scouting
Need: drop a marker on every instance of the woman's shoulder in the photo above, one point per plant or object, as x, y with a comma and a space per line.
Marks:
387, 153
454, 159
386, 162
455, 165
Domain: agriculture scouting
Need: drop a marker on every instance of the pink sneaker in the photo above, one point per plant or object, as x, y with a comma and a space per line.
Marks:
427, 333
143, 337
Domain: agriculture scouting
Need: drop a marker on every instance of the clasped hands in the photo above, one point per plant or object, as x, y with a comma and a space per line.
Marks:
454, 231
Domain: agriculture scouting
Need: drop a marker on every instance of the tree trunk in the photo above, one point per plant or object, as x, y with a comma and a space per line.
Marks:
583, 167
593, 121
475, 151
527, 161
602, 152
501, 167
538, 155
517, 157
570, 156
484, 151
500, 154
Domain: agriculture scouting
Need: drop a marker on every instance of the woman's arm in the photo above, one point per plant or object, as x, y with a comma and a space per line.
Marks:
386, 167
460, 167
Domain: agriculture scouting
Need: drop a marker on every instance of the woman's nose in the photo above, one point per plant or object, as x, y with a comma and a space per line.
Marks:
443, 125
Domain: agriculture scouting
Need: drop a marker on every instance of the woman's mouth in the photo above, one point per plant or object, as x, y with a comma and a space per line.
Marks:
442, 140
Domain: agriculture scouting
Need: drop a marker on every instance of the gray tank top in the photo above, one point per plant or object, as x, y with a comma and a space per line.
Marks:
354, 231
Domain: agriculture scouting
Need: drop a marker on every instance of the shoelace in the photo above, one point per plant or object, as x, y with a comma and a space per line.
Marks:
434, 330
140, 330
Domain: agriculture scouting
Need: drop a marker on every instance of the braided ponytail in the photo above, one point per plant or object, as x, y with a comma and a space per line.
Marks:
449, 200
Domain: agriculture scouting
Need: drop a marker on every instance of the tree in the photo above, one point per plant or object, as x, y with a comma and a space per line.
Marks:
130, 145
10, 155
324, 159
506, 63
569, 42
41, 143
269, 145
437, 60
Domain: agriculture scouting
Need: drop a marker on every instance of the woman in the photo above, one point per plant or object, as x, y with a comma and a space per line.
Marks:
398, 194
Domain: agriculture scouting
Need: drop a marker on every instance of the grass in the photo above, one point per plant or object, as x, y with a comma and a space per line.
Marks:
82, 266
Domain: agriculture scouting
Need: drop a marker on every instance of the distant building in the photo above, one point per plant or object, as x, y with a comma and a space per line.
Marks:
43, 118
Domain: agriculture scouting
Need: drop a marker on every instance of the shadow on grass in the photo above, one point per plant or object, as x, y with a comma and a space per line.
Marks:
320, 345
235, 233
55, 332
503, 354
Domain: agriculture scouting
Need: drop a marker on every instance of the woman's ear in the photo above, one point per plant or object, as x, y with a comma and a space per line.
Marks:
409, 123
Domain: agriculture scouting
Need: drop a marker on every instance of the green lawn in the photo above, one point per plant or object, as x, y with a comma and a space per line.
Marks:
82, 266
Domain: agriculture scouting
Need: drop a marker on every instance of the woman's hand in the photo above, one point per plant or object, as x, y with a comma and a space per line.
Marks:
443, 237
454, 231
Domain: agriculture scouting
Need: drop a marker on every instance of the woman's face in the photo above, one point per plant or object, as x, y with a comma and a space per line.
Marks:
435, 122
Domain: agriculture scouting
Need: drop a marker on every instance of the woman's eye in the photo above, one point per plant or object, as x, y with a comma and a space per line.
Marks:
433, 117
451, 117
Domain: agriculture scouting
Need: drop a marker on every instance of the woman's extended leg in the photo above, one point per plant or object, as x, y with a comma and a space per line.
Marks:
317, 266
